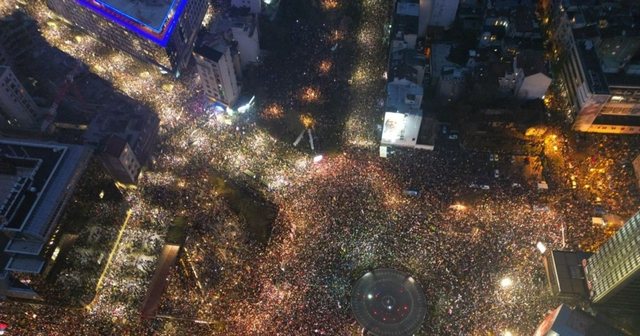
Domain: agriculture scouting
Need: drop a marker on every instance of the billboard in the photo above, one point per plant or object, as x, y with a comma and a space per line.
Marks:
393, 128
400, 129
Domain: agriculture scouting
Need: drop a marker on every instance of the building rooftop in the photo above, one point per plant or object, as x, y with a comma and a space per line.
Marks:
149, 13
115, 145
209, 46
565, 273
25, 264
404, 96
150, 19
139, 128
408, 8
34, 179
623, 80
403, 63
532, 62
406, 18
593, 72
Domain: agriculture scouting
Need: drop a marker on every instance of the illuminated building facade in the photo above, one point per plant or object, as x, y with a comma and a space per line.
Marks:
613, 272
161, 32
600, 102
600, 73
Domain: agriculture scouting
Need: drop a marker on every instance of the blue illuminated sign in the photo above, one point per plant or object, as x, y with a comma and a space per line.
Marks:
159, 35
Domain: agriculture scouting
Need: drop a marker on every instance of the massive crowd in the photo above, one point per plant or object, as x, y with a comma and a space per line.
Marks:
334, 219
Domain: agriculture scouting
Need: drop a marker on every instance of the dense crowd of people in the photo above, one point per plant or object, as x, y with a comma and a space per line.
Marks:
334, 219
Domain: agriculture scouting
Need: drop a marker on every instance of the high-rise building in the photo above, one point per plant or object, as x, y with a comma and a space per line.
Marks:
36, 181
613, 272
218, 62
17, 109
120, 160
161, 32
598, 50
565, 273
600, 102
218, 65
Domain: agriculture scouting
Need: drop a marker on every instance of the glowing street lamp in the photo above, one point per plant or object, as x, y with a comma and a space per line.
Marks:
540, 246
506, 282
507, 333
317, 158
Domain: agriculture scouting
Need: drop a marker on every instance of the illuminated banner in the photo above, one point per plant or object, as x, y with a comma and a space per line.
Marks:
393, 129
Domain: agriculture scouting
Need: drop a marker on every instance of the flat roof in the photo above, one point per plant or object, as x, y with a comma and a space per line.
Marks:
150, 13
622, 80
406, 18
566, 321
408, 8
25, 265
151, 19
35, 180
565, 273
593, 71
399, 95
20, 246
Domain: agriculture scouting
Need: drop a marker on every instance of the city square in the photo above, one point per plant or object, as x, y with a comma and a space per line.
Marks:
280, 229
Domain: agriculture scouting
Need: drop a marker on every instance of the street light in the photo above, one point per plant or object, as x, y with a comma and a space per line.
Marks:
506, 282
507, 333
317, 158
540, 246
